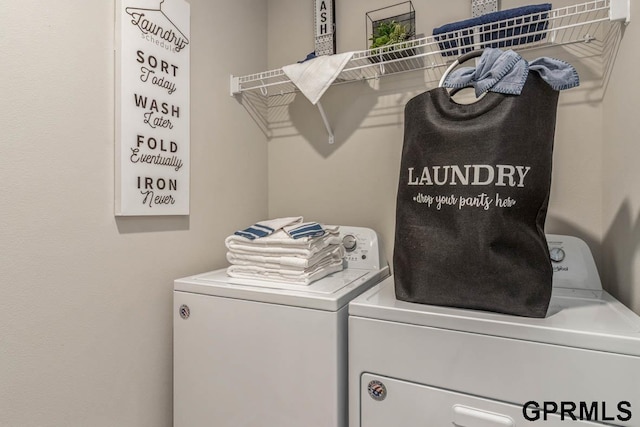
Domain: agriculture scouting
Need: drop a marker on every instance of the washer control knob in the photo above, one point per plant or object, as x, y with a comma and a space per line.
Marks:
350, 242
557, 254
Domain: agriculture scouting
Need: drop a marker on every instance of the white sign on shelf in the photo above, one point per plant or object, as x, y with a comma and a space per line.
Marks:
325, 37
152, 107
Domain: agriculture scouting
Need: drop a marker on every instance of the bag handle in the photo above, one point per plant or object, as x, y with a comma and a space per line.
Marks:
460, 60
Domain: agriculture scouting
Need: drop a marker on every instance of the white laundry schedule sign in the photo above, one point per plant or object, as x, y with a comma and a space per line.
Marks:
152, 107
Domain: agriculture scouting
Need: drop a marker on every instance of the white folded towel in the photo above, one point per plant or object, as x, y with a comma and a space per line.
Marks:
306, 229
304, 277
280, 244
332, 252
313, 77
267, 227
285, 250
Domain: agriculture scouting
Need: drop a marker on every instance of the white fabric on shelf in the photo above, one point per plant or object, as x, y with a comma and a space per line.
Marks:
313, 77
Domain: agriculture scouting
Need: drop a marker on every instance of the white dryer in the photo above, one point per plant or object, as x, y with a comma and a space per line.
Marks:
420, 365
254, 353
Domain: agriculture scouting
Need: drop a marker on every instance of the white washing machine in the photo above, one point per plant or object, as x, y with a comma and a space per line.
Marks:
254, 353
420, 365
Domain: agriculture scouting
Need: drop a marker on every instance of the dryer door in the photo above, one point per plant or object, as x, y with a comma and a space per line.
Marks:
391, 402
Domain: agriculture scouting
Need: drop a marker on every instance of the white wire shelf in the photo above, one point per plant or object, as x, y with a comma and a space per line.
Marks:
580, 23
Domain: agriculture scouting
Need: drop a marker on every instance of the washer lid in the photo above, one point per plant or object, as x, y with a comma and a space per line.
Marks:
330, 293
579, 318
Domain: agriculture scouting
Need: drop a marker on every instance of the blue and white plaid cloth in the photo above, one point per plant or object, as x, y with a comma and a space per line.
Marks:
308, 229
268, 227
292, 226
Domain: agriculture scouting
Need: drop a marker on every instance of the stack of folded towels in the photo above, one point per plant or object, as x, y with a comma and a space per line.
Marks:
285, 250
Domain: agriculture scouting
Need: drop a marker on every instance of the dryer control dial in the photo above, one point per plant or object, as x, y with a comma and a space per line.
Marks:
557, 254
362, 248
350, 242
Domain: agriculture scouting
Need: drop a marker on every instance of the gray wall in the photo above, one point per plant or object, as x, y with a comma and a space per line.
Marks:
86, 306
621, 154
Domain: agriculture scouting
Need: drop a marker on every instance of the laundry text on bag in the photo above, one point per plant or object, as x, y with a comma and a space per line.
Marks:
482, 200
498, 175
